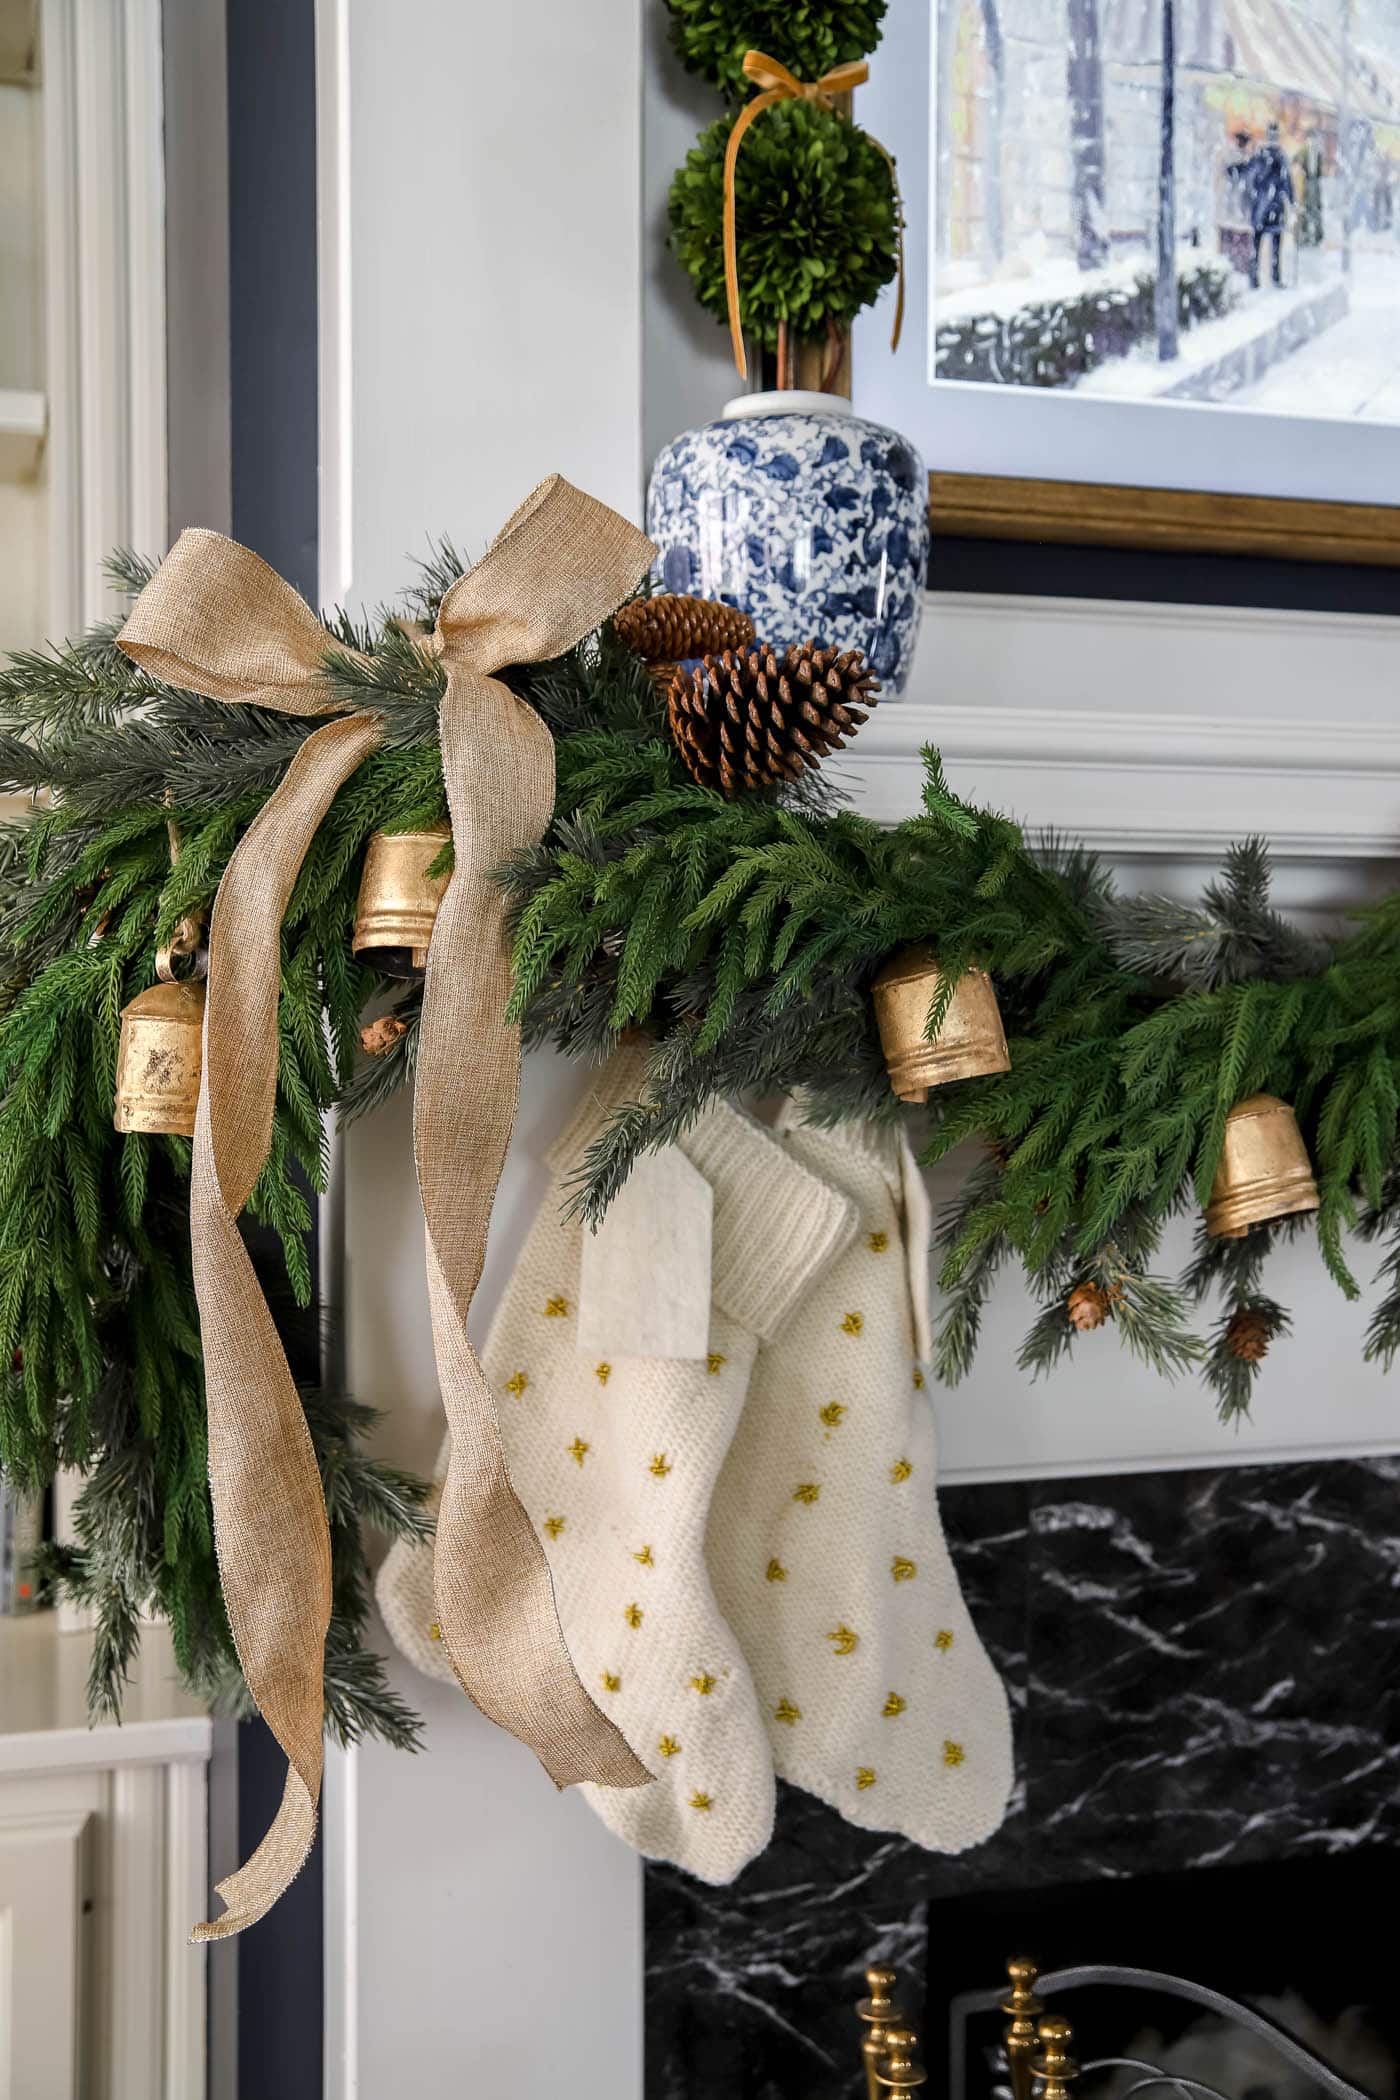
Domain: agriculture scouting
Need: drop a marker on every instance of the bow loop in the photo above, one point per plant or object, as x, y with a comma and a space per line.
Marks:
771, 73
215, 619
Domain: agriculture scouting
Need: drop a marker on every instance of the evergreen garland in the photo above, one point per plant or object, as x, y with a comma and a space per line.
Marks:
741, 937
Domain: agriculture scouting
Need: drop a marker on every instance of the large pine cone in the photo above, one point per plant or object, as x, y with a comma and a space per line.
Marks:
752, 720
664, 629
1248, 1335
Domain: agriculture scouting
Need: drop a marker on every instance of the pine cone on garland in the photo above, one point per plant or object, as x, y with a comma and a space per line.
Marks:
664, 629
1248, 1335
744, 721
1087, 1306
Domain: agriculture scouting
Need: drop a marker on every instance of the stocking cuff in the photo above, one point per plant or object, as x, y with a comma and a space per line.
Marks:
777, 1226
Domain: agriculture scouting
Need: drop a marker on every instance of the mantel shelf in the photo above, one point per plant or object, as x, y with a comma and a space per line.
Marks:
24, 418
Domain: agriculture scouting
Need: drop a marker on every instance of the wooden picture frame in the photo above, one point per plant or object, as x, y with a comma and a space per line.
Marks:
1098, 514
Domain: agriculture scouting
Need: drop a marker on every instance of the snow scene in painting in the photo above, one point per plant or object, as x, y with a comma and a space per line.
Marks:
1171, 200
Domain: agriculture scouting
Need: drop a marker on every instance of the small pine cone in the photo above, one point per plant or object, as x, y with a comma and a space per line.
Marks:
1247, 1335
1087, 1306
377, 1038
664, 629
749, 720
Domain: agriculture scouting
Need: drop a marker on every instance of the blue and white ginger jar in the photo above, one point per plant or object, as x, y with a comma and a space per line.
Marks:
808, 518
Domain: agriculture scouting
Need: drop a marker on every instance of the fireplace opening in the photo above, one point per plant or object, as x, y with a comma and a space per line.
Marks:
1301, 1940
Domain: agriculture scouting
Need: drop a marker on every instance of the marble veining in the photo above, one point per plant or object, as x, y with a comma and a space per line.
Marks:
1204, 1668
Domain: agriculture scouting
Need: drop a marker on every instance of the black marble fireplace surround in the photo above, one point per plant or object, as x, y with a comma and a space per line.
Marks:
1204, 1670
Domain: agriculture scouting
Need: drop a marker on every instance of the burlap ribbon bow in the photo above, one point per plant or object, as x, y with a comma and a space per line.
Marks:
216, 620
779, 85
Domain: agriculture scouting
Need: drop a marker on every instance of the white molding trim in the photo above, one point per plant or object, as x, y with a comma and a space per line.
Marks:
105, 300
1303, 746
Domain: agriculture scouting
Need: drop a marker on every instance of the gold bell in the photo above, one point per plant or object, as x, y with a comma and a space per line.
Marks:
159, 1059
399, 900
1264, 1169
970, 1043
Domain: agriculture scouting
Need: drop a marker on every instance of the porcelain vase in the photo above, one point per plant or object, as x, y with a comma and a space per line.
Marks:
810, 519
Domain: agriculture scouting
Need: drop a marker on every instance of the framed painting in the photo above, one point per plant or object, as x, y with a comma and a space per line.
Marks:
1154, 259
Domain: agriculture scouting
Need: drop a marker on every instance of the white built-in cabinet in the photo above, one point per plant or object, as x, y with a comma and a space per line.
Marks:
103, 1849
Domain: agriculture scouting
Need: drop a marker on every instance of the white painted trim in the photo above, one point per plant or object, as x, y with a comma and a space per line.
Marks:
135, 1744
104, 233
136, 1967
340, 1813
334, 317
186, 1899
1309, 752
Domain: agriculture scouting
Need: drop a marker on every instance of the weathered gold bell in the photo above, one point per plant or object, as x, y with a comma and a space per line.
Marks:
971, 1042
399, 900
159, 1058
1264, 1169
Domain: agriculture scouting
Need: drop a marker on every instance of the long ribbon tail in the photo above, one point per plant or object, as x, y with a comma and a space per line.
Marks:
742, 122
898, 328
269, 1512
495, 1597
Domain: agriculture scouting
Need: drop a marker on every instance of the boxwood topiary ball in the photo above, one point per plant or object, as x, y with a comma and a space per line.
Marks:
815, 221
809, 36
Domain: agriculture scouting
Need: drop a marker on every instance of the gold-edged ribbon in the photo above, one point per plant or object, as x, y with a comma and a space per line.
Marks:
216, 620
779, 85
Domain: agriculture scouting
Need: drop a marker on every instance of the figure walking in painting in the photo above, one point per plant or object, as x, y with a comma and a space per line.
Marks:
1309, 166
1270, 187
1236, 227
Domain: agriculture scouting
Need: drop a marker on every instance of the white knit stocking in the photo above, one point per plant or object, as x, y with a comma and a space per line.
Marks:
826, 1551
616, 1463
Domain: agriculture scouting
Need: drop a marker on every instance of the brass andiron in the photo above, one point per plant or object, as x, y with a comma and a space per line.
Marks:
1021, 2039
900, 2070
1055, 2068
880, 2013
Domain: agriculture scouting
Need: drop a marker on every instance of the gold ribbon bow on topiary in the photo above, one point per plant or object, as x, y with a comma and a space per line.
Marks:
779, 85
216, 620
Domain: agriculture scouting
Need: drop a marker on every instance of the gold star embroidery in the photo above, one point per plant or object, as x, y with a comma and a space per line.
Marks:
832, 1414
853, 1323
579, 1450
918, 1381
900, 1470
611, 1681
943, 1639
704, 1684
843, 1640
602, 1372
865, 1778
633, 1615
953, 1753
660, 1466
557, 1309
903, 1570
785, 1711
877, 1242
807, 1492
554, 1525
669, 1747
517, 1383
715, 1363
435, 1631
776, 1572
644, 1558
892, 1706
702, 1802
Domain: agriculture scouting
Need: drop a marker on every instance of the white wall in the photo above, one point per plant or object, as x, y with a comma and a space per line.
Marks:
481, 313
